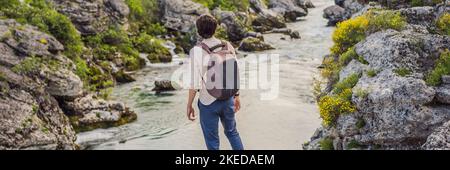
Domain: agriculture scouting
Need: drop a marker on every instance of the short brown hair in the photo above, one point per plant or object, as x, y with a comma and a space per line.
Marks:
206, 26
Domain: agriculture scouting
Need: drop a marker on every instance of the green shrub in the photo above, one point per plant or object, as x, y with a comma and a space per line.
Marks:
115, 36
105, 93
348, 56
29, 65
417, 3
360, 123
42, 15
143, 16
442, 67
353, 144
221, 33
326, 144
383, 20
2, 76
403, 72
133, 62
362, 93
136, 8
347, 83
82, 70
372, 73
153, 47
156, 29
443, 23
227, 5
115, 40
62, 28
330, 69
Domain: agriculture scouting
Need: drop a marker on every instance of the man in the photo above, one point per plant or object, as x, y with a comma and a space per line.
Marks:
211, 108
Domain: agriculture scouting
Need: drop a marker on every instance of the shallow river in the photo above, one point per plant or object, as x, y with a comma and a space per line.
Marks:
283, 123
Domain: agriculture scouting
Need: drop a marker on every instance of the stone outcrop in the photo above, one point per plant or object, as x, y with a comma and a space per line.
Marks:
93, 16
30, 115
234, 24
287, 8
343, 10
254, 44
440, 139
90, 112
395, 111
266, 19
180, 15
335, 14
39, 88
163, 86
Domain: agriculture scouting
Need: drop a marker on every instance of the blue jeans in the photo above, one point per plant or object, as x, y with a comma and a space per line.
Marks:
209, 120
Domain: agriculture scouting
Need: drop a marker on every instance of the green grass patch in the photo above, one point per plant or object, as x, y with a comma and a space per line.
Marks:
353, 144
403, 72
227, 5
360, 123
347, 83
372, 73
442, 67
326, 144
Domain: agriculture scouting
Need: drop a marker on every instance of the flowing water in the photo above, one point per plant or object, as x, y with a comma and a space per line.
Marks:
283, 123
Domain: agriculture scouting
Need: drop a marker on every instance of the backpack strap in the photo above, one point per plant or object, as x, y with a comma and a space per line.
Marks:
209, 50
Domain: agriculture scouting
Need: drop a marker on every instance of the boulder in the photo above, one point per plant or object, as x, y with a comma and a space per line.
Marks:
443, 94
424, 16
30, 117
286, 31
439, 139
61, 82
335, 14
234, 26
180, 15
407, 49
122, 77
288, 8
93, 16
343, 10
308, 4
398, 4
339, 2
90, 112
163, 86
354, 67
295, 35
266, 19
28, 40
254, 44
304, 3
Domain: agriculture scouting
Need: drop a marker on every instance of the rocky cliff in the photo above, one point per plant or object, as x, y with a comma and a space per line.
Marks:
387, 80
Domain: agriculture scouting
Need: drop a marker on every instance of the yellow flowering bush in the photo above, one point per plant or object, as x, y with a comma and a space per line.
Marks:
348, 33
333, 106
443, 23
352, 31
